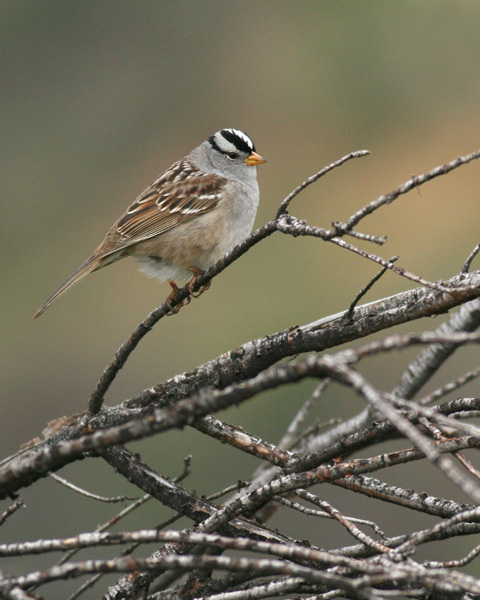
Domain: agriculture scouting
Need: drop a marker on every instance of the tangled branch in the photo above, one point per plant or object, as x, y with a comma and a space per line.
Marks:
207, 558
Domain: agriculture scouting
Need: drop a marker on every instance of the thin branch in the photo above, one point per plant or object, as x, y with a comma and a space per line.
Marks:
451, 386
293, 429
461, 562
290, 225
413, 182
313, 178
467, 264
273, 588
83, 492
10, 591
93, 580
11, 510
387, 264
421, 502
349, 314
432, 358
188, 563
347, 522
242, 440
97, 539
313, 499
431, 534
372, 575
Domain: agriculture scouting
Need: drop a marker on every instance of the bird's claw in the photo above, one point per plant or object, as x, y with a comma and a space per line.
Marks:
196, 272
173, 309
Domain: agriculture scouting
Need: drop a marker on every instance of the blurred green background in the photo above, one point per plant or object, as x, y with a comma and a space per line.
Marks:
97, 98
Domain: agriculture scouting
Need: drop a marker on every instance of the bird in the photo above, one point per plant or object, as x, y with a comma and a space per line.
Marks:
186, 219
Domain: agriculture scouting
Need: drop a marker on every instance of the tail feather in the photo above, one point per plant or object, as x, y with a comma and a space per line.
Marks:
87, 267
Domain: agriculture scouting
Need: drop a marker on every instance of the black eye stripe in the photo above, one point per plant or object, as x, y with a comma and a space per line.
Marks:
214, 145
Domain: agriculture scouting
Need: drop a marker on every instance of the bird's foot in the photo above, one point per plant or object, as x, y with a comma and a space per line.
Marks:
174, 309
196, 272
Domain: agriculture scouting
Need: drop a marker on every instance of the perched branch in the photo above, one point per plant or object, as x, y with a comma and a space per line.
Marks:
191, 561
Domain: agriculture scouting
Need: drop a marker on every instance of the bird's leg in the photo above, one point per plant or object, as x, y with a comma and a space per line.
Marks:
196, 272
173, 309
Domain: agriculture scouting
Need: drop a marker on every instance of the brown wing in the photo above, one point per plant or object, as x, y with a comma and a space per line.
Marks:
179, 194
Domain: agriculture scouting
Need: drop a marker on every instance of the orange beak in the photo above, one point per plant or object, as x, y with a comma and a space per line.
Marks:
254, 159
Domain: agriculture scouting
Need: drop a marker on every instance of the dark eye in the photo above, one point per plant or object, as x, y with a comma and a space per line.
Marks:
232, 155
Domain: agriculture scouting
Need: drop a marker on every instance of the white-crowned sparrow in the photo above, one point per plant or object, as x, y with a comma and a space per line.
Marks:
189, 217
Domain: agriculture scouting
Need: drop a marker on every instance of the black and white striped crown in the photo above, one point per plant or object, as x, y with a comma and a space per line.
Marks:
229, 140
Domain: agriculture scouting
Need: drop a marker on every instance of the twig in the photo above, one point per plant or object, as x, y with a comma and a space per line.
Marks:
83, 492
93, 580
9, 591
461, 562
397, 270
471, 256
11, 510
432, 358
413, 182
366, 237
313, 178
349, 314
242, 440
335, 514
433, 533
421, 502
290, 225
450, 387
320, 514
267, 590
293, 429
301, 443
468, 465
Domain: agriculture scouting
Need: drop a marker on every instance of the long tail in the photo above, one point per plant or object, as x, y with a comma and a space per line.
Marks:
87, 267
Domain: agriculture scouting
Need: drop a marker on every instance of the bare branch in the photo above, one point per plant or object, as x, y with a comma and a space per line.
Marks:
413, 182
206, 555
467, 264
11, 510
349, 314
313, 178
82, 492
